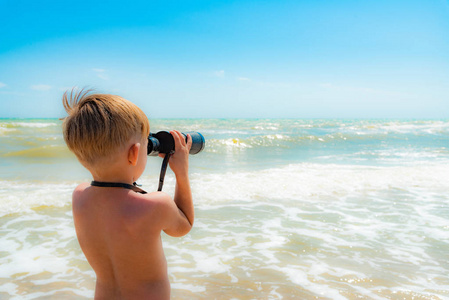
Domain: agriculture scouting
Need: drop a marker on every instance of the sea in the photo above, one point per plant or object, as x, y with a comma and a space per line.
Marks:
285, 209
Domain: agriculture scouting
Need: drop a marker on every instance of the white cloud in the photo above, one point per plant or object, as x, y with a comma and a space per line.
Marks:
63, 89
101, 73
40, 87
243, 79
2, 84
220, 73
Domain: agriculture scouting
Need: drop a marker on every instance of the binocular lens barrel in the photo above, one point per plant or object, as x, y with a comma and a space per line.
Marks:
163, 142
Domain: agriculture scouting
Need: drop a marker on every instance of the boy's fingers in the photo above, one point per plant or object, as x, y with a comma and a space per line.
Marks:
181, 137
189, 141
176, 136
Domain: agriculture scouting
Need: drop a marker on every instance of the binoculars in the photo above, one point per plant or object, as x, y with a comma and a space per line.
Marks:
163, 142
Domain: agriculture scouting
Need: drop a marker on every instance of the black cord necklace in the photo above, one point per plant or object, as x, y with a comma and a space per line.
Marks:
133, 187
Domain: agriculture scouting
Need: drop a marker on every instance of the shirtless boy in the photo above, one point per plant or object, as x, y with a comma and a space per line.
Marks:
119, 228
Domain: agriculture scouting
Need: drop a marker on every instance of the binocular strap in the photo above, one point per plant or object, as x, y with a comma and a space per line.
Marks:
163, 171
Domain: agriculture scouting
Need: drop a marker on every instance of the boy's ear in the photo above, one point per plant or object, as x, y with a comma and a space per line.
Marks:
133, 154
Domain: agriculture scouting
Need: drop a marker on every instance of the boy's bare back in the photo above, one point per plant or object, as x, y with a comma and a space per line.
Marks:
119, 230
119, 233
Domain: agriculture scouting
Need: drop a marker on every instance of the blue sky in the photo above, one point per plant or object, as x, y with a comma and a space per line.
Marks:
222, 59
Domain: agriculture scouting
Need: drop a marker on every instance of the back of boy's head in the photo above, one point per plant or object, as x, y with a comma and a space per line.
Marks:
100, 125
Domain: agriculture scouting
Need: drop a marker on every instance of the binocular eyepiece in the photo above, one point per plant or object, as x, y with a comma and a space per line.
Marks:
163, 142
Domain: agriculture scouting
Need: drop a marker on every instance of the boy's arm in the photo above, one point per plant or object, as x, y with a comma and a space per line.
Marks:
180, 216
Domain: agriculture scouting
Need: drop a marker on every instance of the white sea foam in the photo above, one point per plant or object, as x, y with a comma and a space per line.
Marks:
417, 127
38, 251
326, 228
313, 181
16, 197
298, 181
4, 130
33, 124
403, 156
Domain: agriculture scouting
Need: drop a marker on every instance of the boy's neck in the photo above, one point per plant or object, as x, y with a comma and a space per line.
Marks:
117, 167
118, 179
112, 173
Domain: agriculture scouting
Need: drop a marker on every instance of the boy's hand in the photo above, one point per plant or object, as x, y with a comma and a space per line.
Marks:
179, 161
182, 221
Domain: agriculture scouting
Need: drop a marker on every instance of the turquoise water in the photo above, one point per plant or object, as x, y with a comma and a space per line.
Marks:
285, 209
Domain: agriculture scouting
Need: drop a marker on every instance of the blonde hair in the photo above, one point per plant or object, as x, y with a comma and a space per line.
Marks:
99, 125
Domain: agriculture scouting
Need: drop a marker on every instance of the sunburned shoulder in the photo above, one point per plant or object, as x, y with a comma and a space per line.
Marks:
154, 202
79, 191
152, 209
147, 211
155, 198
81, 187
136, 204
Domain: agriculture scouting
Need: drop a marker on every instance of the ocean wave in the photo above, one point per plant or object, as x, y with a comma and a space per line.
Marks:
28, 129
293, 182
29, 124
274, 140
22, 197
5, 130
396, 127
318, 181
280, 140
403, 155
47, 151
288, 141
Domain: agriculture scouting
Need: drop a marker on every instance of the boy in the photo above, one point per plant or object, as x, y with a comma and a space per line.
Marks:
117, 224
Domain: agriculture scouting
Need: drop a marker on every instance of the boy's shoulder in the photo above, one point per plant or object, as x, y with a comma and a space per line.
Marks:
83, 189
151, 206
